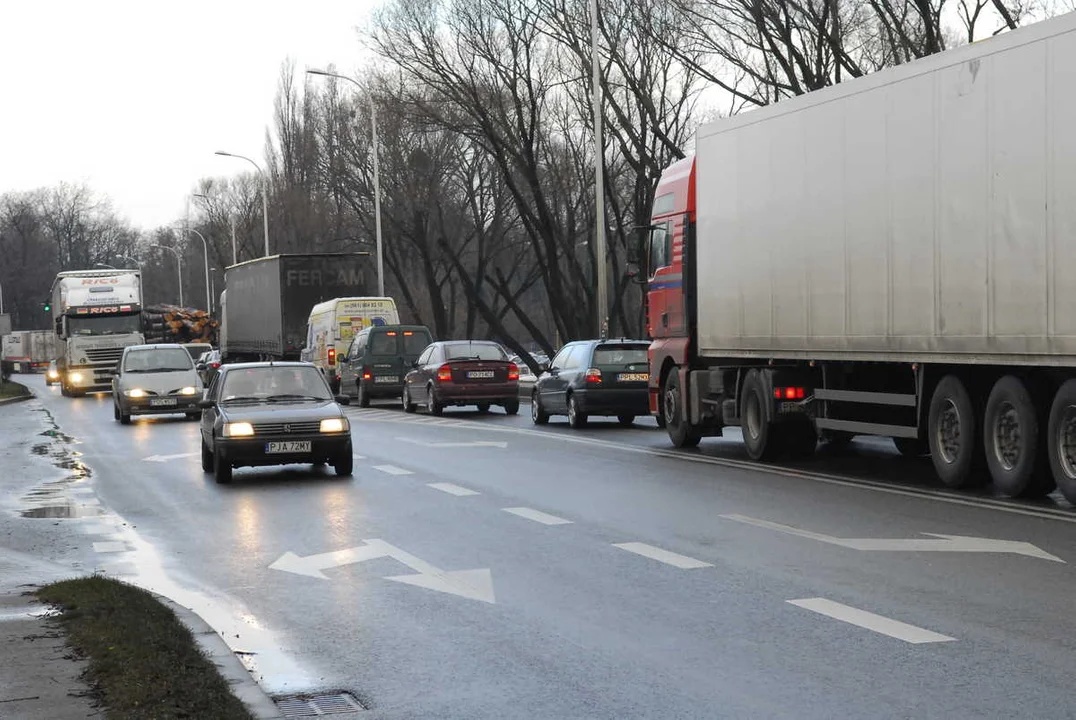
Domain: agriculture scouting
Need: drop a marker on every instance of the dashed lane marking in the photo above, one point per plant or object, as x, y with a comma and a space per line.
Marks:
452, 489
392, 470
537, 516
870, 621
669, 558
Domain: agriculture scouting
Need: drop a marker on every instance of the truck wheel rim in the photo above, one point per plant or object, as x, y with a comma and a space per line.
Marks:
672, 417
754, 416
1066, 441
1007, 436
949, 432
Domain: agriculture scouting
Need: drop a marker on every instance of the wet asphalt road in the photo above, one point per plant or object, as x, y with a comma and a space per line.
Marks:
588, 614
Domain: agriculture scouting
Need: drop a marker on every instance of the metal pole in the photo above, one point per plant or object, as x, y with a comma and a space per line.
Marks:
265, 211
231, 219
205, 248
599, 179
377, 203
1, 298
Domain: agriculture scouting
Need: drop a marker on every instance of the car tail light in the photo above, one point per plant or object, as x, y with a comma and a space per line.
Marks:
788, 393
513, 372
594, 376
332, 356
214, 365
366, 374
444, 373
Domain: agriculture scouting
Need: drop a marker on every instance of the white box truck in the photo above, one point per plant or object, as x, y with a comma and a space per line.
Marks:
96, 314
889, 256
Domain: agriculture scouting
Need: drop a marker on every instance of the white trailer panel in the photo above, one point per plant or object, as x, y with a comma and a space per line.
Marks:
924, 213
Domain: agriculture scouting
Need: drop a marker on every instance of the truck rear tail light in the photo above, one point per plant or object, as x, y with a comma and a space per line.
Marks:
444, 373
594, 376
788, 393
513, 372
332, 356
366, 374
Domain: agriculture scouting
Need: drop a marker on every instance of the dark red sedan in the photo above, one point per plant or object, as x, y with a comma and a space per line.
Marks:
462, 372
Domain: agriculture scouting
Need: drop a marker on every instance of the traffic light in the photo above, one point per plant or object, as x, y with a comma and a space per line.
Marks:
46, 306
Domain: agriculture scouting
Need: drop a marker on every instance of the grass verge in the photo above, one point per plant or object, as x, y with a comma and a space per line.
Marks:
143, 662
10, 389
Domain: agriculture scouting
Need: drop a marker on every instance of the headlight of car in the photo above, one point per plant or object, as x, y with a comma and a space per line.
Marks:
76, 377
238, 429
334, 425
135, 392
188, 391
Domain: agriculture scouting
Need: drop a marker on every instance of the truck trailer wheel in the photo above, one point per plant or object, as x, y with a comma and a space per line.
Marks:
1061, 440
955, 442
680, 431
758, 433
1014, 445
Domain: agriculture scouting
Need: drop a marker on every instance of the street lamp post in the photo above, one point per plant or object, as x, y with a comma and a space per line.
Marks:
205, 247
179, 269
599, 179
377, 177
265, 193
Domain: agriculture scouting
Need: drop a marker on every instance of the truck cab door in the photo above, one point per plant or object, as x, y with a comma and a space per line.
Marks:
665, 314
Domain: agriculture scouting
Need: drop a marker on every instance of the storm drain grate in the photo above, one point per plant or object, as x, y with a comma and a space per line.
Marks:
303, 706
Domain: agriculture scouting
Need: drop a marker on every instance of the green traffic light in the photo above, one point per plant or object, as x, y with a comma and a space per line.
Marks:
48, 307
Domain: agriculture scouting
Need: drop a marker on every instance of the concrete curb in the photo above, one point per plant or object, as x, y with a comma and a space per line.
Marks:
238, 677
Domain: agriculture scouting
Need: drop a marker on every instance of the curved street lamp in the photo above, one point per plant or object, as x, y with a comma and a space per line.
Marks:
265, 193
377, 175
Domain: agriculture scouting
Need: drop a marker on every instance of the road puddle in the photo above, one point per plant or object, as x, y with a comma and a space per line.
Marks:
66, 510
51, 498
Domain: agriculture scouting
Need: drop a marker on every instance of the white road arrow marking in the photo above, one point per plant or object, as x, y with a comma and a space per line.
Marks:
166, 458
473, 584
941, 543
477, 443
870, 621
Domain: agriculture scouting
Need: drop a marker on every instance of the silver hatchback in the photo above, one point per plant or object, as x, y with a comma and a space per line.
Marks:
156, 379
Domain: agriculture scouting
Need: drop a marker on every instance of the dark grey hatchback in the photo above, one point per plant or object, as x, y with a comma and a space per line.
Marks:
594, 377
273, 414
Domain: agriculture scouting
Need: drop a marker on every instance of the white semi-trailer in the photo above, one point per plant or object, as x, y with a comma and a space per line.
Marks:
96, 314
890, 256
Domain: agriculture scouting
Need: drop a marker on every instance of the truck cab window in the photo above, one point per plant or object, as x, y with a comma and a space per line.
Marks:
660, 247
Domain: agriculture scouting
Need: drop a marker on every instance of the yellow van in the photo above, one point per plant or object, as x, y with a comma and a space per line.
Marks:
334, 323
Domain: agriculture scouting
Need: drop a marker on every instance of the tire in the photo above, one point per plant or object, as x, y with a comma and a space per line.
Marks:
1014, 446
124, 418
405, 398
955, 442
64, 389
432, 405
1061, 440
483, 407
344, 464
759, 436
911, 447
511, 407
207, 458
680, 432
363, 400
222, 469
576, 418
625, 420
115, 411
538, 414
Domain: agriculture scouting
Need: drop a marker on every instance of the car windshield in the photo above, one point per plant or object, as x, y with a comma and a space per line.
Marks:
275, 383
620, 355
474, 351
157, 360
104, 325
383, 343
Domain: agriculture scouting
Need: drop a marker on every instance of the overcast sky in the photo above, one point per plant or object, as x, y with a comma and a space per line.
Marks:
133, 97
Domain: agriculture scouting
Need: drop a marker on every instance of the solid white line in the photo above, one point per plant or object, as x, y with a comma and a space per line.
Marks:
537, 516
452, 489
669, 558
870, 621
109, 546
392, 470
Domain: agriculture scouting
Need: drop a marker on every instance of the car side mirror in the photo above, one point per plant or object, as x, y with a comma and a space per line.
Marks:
343, 399
205, 404
200, 367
